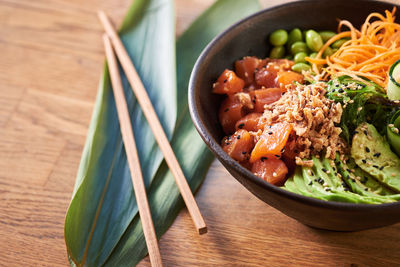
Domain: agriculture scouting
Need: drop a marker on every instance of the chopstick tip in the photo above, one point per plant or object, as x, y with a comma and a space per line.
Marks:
202, 230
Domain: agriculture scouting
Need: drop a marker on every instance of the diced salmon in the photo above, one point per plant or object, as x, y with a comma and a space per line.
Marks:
250, 122
271, 142
289, 154
288, 77
246, 67
228, 83
267, 76
271, 170
262, 97
230, 111
239, 145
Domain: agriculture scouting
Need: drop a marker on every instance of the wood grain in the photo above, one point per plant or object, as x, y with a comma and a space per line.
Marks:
51, 61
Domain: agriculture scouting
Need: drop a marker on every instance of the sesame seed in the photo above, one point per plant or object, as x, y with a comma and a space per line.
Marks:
238, 137
225, 81
246, 74
226, 110
367, 149
310, 183
244, 153
365, 132
375, 166
274, 174
376, 155
381, 168
240, 126
309, 172
270, 133
364, 161
263, 158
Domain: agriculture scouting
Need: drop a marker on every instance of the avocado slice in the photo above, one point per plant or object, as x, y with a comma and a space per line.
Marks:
373, 155
361, 182
324, 181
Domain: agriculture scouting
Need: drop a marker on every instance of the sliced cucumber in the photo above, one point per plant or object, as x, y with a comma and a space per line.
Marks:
393, 134
393, 89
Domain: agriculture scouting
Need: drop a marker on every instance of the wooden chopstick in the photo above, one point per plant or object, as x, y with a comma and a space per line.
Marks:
155, 125
132, 156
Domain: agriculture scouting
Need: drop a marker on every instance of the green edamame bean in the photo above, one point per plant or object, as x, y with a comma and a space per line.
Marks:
339, 43
295, 35
299, 67
327, 52
313, 55
313, 40
298, 47
278, 37
300, 57
277, 52
326, 35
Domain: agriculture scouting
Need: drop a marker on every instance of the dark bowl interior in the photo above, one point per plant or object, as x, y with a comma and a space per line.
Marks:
249, 38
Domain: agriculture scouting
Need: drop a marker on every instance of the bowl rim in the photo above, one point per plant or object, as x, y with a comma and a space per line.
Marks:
215, 147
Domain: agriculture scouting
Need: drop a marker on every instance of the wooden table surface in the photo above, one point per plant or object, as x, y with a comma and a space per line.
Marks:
50, 64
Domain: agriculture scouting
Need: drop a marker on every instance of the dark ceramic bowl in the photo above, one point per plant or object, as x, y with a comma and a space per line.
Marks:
249, 38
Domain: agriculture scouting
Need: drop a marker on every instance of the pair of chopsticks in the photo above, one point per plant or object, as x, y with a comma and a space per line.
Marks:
112, 42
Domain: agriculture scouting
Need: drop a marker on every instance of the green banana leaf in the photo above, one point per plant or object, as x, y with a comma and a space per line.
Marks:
102, 225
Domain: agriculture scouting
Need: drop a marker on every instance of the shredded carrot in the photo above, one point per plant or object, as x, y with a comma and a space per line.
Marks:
369, 53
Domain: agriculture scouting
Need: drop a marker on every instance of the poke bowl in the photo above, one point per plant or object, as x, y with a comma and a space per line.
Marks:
327, 205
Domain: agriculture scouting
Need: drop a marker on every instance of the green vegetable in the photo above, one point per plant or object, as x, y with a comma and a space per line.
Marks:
339, 43
392, 132
278, 37
372, 153
364, 101
298, 47
313, 55
300, 57
326, 35
277, 52
102, 226
326, 181
299, 67
314, 40
295, 35
393, 88
327, 52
